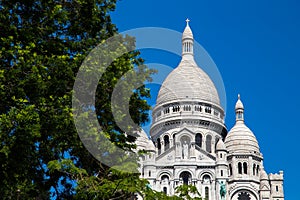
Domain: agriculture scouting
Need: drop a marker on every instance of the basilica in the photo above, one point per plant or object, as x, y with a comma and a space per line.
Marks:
190, 143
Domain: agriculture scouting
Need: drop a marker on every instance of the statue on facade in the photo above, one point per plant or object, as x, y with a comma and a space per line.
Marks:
185, 150
222, 190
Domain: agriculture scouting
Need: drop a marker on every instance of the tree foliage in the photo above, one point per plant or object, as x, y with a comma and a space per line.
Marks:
42, 45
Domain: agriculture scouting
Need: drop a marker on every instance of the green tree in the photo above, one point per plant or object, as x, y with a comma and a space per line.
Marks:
188, 192
42, 45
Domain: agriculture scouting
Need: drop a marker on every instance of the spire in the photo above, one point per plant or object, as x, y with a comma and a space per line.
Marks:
187, 40
239, 110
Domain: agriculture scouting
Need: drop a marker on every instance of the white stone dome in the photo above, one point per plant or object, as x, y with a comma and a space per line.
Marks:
188, 82
241, 139
143, 142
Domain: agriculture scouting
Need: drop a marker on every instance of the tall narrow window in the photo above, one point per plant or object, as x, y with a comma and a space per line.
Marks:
230, 170
208, 143
158, 145
276, 188
166, 142
240, 168
198, 139
165, 190
254, 169
216, 142
257, 170
245, 168
149, 173
174, 139
206, 193
221, 172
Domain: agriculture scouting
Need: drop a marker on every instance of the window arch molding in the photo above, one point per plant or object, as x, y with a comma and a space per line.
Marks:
204, 173
166, 133
185, 170
164, 173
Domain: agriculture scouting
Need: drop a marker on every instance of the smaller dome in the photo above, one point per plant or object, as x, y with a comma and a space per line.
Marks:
143, 142
220, 145
239, 104
187, 33
240, 138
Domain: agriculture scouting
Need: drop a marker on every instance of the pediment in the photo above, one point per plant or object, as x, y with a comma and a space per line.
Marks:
203, 155
264, 187
167, 156
194, 155
184, 131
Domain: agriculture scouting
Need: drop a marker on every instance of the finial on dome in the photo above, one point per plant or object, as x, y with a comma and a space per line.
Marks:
239, 109
187, 21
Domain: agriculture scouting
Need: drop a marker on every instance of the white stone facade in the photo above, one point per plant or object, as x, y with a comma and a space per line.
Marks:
187, 135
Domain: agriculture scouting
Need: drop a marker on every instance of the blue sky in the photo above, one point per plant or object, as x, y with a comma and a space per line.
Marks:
255, 45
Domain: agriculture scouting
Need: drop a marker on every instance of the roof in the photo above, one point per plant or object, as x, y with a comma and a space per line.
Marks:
188, 82
240, 138
143, 142
220, 145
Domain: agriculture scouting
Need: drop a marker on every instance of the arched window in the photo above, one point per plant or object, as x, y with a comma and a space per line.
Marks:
186, 177
165, 179
257, 170
206, 193
149, 173
245, 168
158, 145
254, 169
208, 143
206, 179
221, 172
277, 188
230, 170
198, 139
166, 142
240, 168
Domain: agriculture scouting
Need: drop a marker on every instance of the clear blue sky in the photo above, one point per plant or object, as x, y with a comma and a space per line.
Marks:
255, 45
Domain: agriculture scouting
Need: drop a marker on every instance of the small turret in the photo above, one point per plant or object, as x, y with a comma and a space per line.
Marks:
264, 189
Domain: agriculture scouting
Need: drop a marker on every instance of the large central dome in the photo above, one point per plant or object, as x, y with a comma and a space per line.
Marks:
188, 81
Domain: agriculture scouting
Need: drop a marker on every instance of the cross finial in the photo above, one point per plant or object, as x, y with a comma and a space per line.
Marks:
239, 96
187, 21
